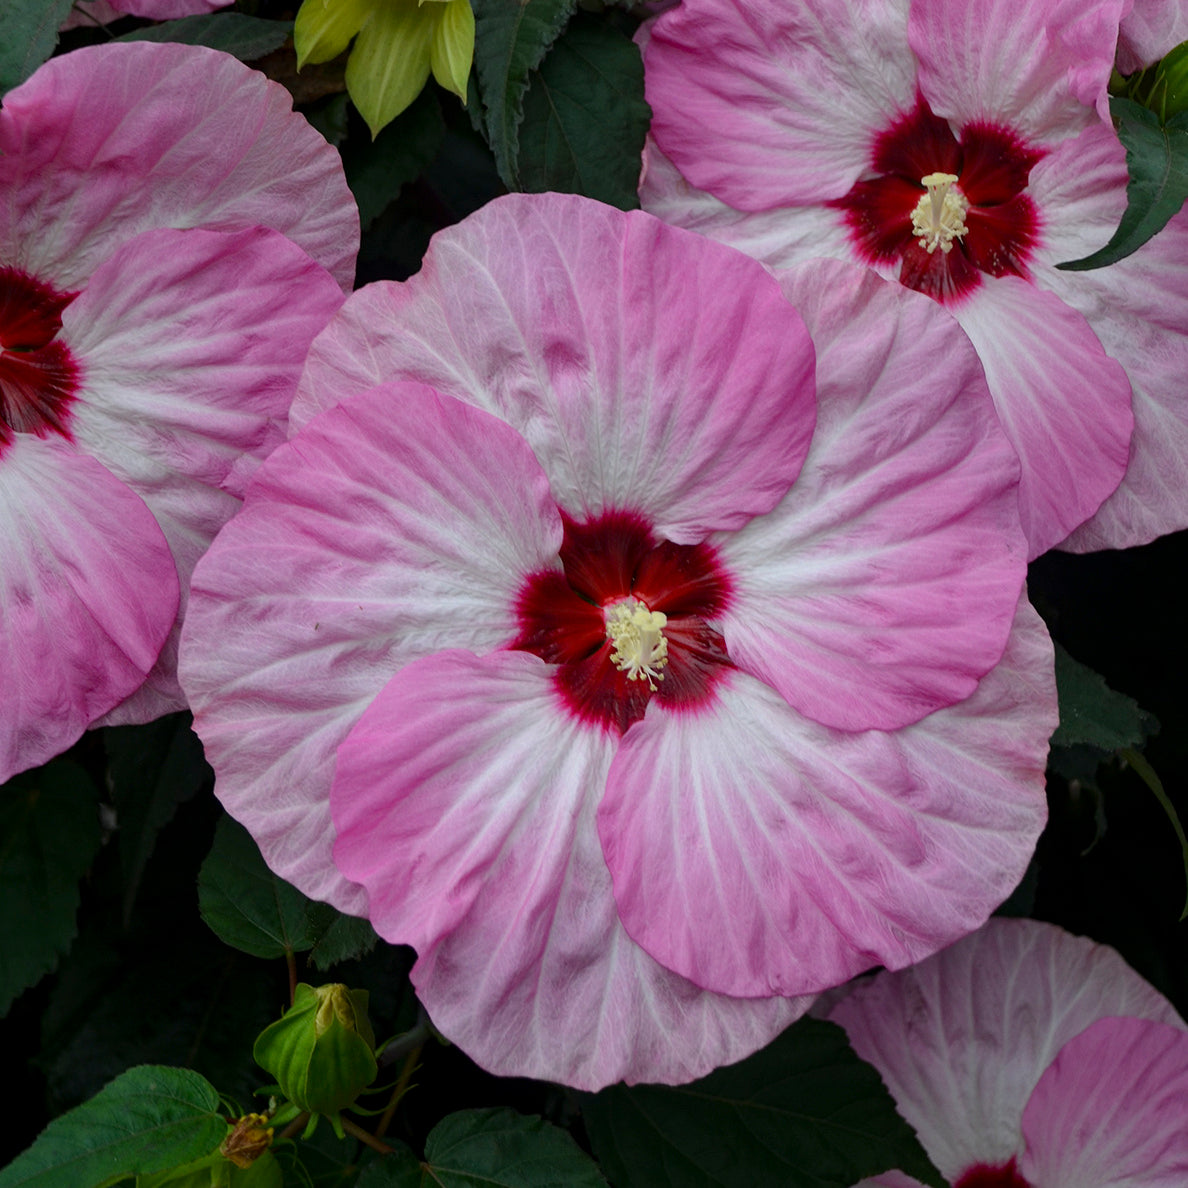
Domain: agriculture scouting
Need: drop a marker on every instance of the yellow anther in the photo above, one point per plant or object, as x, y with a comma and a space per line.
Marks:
641, 650
939, 217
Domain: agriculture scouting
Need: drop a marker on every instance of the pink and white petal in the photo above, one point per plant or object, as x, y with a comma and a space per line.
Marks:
779, 238
1064, 404
464, 803
167, 10
1109, 1111
884, 585
756, 852
1150, 30
111, 140
650, 369
765, 103
191, 344
87, 595
397, 524
1040, 69
962, 1039
1138, 308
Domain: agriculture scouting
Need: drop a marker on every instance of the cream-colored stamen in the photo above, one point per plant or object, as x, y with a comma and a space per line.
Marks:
641, 650
939, 217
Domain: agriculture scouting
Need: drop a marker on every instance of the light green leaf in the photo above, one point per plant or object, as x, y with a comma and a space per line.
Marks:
146, 1120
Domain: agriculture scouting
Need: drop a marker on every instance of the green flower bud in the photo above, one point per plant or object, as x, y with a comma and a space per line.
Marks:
322, 1050
1171, 77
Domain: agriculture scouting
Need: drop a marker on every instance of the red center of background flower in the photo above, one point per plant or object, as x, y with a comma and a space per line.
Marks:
38, 376
982, 1176
609, 559
992, 166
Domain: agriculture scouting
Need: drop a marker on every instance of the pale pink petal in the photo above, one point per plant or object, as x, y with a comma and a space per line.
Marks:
1138, 308
765, 103
191, 343
87, 595
1040, 68
650, 370
86, 14
756, 852
464, 801
112, 140
1109, 1112
884, 585
397, 524
1150, 30
780, 237
1063, 402
166, 10
962, 1039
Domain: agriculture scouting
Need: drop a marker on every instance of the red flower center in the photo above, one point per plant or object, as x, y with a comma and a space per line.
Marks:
38, 376
981, 1175
626, 620
947, 233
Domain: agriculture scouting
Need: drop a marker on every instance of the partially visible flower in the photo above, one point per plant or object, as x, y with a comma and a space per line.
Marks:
956, 146
1026, 1057
646, 630
1149, 30
100, 12
397, 44
167, 224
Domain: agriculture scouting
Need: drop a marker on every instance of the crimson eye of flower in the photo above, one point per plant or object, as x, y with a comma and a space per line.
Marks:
1005, 1176
947, 209
626, 620
38, 376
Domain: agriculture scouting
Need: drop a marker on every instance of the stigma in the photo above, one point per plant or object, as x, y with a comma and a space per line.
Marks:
637, 635
939, 217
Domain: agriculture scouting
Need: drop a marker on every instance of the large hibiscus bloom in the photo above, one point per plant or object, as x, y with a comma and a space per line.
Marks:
957, 146
166, 226
1029, 1058
634, 744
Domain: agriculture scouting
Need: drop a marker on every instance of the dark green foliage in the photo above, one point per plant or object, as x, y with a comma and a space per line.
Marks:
248, 38
28, 34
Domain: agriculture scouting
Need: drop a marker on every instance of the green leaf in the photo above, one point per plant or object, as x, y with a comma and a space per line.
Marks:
28, 34
804, 1112
1147, 774
248, 38
511, 37
151, 770
585, 118
246, 905
1092, 714
376, 170
342, 938
495, 1148
1157, 161
49, 835
148, 1119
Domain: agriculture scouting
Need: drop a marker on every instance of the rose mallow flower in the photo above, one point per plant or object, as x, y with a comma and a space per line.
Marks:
166, 226
100, 12
957, 146
1026, 1057
645, 652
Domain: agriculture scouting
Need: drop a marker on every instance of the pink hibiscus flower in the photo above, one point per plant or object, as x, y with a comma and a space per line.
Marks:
1149, 29
92, 12
523, 647
156, 302
954, 145
1029, 1058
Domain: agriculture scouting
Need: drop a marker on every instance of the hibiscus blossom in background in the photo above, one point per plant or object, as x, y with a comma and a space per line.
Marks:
956, 146
397, 44
1148, 31
1026, 1057
156, 302
100, 12
561, 644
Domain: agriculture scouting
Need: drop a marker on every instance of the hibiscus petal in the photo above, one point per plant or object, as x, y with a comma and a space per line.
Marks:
1039, 68
765, 103
1149, 31
111, 140
1063, 403
651, 370
87, 595
884, 585
755, 852
464, 802
397, 524
962, 1039
191, 343
1109, 1111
